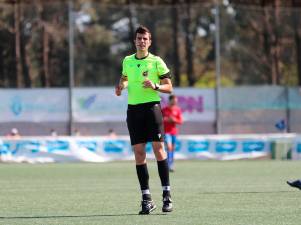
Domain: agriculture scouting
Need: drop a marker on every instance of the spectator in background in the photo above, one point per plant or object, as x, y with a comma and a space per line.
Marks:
53, 133
111, 133
172, 116
76, 132
14, 133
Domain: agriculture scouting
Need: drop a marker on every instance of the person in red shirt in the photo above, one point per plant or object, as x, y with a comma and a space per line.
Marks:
172, 116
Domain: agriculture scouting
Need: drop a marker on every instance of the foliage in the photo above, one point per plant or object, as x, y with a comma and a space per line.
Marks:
259, 45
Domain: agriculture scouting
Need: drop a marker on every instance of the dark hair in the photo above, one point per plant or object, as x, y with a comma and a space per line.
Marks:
171, 97
143, 30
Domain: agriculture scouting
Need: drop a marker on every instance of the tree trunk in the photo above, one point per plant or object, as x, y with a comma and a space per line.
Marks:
46, 56
28, 62
297, 37
267, 55
272, 42
276, 44
2, 76
43, 58
131, 24
24, 57
152, 24
298, 54
189, 45
17, 18
269, 46
152, 27
175, 33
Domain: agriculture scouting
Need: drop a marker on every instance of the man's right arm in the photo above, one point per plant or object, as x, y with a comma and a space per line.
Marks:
123, 83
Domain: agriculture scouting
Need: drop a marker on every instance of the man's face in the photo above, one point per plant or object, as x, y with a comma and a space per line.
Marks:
142, 42
174, 101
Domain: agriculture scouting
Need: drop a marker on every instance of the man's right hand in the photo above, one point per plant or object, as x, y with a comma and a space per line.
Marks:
118, 89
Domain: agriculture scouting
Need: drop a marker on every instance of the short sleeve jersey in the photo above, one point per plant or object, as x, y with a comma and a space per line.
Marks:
137, 70
176, 113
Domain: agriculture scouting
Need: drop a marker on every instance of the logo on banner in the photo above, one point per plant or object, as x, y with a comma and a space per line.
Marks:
299, 147
188, 104
198, 146
281, 125
90, 145
86, 103
115, 146
250, 146
57, 146
4, 148
16, 106
226, 146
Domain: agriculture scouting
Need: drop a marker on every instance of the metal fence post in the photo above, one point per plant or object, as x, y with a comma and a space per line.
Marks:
217, 68
71, 63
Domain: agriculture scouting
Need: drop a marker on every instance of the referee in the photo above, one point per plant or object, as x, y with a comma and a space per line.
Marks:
145, 75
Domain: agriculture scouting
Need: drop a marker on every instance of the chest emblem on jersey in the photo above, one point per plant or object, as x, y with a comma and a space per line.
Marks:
145, 73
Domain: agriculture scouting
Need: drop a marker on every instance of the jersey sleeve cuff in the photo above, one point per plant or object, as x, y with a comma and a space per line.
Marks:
167, 75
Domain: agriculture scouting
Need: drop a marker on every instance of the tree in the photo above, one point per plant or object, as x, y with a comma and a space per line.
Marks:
17, 18
259, 45
297, 36
175, 36
189, 44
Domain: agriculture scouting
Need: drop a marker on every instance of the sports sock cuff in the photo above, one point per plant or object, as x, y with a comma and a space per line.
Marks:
166, 188
145, 192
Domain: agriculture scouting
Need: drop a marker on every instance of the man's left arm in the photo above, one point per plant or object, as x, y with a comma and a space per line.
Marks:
165, 85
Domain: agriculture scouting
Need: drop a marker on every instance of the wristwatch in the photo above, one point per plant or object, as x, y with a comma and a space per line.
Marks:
156, 86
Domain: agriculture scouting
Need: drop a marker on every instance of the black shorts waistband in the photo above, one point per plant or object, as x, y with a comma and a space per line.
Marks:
143, 105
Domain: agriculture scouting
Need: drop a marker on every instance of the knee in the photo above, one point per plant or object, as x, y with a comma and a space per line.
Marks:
160, 153
140, 156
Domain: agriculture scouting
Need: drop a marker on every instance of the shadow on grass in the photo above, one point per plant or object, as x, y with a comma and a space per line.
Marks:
82, 216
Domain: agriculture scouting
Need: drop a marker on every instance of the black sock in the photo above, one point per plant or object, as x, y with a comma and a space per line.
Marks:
164, 176
146, 197
143, 178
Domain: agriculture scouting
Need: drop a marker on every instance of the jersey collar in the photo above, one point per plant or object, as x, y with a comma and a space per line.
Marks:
141, 58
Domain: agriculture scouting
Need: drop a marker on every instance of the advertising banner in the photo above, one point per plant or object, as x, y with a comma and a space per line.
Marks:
196, 104
98, 105
34, 105
92, 104
102, 149
101, 104
296, 152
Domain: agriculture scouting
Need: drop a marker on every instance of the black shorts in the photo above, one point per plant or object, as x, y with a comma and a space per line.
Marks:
145, 123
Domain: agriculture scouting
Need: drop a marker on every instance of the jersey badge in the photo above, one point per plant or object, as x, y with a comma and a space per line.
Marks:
145, 73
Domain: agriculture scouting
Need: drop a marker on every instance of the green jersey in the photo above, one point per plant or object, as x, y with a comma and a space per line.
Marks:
138, 70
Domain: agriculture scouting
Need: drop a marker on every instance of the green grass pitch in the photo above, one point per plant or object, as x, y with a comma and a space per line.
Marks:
204, 193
